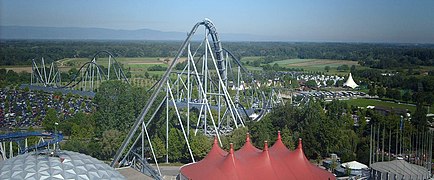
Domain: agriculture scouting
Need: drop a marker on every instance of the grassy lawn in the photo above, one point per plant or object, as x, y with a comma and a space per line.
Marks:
77, 62
289, 62
250, 58
18, 69
375, 102
141, 64
308, 65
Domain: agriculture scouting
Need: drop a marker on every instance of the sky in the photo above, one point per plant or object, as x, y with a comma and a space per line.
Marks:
388, 21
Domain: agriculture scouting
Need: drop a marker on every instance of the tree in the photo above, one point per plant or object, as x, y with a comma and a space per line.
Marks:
339, 83
353, 68
118, 104
419, 119
327, 68
75, 145
50, 119
406, 96
311, 84
200, 145
330, 82
287, 138
393, 93
256, 63
372, 90
343, 68
380, 91
362, 153
159, 147
111, 140
176, 145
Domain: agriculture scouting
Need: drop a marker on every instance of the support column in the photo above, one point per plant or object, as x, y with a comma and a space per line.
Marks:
11, 154
378, 142
167, 123
188, 92
370, 148
382, 145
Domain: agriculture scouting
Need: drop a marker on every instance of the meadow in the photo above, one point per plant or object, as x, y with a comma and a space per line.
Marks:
309, 65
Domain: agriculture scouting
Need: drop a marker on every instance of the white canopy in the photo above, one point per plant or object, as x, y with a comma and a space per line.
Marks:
354, 165
350, 82
253, 116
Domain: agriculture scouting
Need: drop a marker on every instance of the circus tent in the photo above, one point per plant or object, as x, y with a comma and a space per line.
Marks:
350, 82
249, 162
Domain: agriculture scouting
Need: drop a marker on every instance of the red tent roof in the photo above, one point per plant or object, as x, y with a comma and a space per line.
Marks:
249, 162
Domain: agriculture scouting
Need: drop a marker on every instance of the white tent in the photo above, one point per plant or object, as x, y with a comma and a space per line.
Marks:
354, 165
350, 82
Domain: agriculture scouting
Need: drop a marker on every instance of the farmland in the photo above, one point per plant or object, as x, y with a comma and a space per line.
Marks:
316, 65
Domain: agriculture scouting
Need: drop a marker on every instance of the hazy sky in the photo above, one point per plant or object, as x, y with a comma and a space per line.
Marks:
304, 20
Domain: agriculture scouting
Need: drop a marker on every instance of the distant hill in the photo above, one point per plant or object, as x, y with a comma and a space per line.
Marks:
74, 33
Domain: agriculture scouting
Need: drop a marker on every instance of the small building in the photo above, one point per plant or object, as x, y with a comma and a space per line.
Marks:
356, 168
398, 169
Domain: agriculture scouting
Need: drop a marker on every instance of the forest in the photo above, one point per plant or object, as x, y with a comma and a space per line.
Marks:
382, 56
325, 127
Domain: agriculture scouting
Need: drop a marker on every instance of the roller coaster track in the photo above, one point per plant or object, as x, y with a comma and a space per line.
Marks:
219, 58
89, 72
88, 75
19, 137
196, 74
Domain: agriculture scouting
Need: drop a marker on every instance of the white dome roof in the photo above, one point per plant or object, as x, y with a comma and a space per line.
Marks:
62, 165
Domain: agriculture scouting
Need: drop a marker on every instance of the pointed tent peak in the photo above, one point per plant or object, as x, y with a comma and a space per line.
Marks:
350, 82
279, 137
247, 137
215, 140
300, 145
265, 145
231, 151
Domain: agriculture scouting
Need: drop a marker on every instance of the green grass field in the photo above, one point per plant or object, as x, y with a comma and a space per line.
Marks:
137, 66
375, 102
317, 65
250, 58
77, 62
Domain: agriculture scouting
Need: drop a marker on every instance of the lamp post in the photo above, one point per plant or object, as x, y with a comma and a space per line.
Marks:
55, 135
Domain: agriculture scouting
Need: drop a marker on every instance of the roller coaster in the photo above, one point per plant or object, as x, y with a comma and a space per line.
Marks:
213, 81
208, 79
20, 139
88, 77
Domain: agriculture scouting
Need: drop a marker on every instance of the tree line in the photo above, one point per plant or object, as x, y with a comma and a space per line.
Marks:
383, 56
331, 128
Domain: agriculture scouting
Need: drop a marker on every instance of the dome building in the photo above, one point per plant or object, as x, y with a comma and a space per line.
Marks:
56, 165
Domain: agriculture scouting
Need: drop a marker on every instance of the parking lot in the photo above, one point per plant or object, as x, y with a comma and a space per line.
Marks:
303, 96
21, 108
